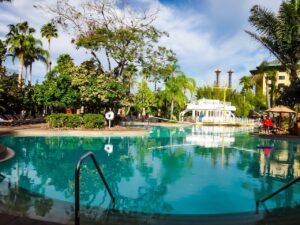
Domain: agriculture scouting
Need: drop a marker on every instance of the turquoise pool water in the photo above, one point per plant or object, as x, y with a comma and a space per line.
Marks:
193, 170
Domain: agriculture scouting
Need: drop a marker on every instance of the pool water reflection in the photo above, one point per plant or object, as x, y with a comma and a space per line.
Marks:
193, 170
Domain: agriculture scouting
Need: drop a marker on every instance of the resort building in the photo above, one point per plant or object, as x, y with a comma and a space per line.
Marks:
282, 77
210, 110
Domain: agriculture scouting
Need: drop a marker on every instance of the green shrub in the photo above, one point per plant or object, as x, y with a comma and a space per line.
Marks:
93, 120
56, 120
72, 120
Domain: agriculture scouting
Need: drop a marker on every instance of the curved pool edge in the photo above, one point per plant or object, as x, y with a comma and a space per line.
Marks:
62, 212
24, 132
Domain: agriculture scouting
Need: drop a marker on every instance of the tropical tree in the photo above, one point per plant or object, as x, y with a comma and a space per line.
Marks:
34, 52
188, 84
125, 39
247, 83
280, 33
49, 31
175, 90
18, 41
144, 99
2, 57
97, 90
266, 74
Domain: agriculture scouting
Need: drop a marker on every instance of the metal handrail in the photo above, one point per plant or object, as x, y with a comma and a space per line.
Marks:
276, 192
2, 177
77, 191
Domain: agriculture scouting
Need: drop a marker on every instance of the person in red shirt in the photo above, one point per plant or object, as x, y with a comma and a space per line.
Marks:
268, 124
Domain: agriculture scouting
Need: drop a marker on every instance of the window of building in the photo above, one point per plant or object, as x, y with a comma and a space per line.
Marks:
281, 77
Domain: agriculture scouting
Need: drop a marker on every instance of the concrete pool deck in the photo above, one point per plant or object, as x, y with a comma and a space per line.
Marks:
43, 130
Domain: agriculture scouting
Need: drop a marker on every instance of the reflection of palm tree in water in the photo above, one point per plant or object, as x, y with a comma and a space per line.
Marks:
19, 201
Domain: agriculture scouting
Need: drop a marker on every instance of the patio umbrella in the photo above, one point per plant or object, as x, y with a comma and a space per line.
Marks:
280, 109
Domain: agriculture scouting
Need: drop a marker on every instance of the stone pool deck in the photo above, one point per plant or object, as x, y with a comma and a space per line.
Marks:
15, 220
43, 130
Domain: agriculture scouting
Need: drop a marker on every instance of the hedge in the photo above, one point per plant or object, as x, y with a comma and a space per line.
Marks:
93, 120
59, 120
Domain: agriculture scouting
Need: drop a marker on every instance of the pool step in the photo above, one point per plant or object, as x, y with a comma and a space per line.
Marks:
284, 216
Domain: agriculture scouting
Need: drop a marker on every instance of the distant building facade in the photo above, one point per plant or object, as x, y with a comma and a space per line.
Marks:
281, 74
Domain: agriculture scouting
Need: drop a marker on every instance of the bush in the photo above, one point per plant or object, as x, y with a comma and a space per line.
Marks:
72, 120
93, 120
57, 120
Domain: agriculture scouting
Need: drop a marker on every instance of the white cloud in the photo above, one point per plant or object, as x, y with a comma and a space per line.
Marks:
202, 40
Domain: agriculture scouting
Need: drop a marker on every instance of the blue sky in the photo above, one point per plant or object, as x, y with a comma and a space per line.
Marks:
205, 34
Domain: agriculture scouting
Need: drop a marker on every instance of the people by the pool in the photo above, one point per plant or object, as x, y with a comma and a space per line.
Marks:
268, 125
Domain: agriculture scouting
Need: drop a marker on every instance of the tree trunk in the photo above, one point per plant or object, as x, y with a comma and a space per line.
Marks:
1, 70
26, 74
293, 76
30, 73
267, 93
21, 63
172, 109
49, 57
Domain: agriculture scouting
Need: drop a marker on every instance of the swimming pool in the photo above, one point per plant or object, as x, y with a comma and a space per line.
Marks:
189, 171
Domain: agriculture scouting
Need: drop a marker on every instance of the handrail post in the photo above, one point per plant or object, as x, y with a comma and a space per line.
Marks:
77, 197
77, 184
276, 192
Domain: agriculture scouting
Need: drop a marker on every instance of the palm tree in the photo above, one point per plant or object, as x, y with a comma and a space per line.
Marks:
279, 33
247, 83
175, 90
265, 73
18, 41
49, 31
188, 84
2, 57
35, 52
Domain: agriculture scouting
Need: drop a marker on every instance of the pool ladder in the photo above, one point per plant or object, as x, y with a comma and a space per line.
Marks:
275, 193
77, 182
2, 177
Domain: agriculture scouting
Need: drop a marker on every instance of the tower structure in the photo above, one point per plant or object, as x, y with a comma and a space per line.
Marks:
230, 72
218, 72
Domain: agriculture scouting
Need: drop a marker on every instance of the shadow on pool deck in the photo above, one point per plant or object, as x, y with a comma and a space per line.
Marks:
15, 220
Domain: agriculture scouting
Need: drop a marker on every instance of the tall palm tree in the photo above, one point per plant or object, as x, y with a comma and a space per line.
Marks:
18, 41
247, 83
188, 84
265, 73
175, 90
35, 52
2, 57
171, 84
280, 33
49, 31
